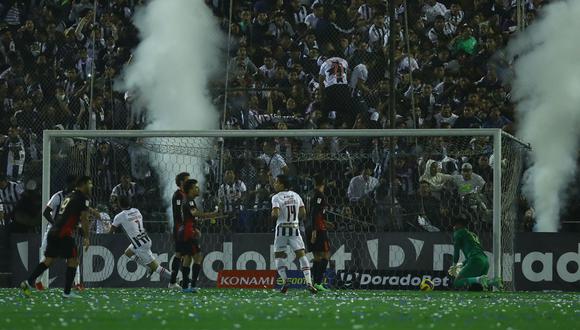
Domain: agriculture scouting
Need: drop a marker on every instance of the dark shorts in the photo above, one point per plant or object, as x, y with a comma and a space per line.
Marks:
175, 238
188, 247
338, 98
321, 244
63, 247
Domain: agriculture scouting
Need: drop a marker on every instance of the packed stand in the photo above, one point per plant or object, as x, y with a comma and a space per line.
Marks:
48, 62
281, 78
281, 72
324, 64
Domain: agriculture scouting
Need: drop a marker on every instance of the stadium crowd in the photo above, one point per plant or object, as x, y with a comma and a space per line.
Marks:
57, 55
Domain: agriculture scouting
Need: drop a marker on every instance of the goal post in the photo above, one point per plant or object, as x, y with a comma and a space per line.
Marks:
497, 223
318, 151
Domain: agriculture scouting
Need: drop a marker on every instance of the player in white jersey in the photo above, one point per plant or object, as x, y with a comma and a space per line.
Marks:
132, 222
287, 207
49, 214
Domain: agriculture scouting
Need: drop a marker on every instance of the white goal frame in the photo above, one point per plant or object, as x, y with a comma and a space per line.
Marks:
495, 134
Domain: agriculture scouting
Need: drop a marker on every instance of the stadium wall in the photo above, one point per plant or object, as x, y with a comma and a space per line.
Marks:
542, 261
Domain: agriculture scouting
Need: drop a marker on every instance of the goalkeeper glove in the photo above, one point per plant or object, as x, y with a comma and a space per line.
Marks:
455, 269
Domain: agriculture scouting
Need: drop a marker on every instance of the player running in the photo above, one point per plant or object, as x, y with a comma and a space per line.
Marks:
319, 242
60, 242
473, 274
189, 235
131, 220
177, 202
50, 214
287, 207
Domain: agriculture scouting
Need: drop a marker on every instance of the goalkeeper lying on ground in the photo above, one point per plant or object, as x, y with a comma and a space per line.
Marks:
472, 275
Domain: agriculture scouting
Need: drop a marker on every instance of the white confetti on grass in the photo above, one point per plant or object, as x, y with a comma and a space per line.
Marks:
227, 307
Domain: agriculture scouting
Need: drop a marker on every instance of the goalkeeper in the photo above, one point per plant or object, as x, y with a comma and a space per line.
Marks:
473, 274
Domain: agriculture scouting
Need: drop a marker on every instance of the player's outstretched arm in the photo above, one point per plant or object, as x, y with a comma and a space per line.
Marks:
205, 215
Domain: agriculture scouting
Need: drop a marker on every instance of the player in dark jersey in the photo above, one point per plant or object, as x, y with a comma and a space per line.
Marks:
176, 205
189, 234
60, 241
319, 242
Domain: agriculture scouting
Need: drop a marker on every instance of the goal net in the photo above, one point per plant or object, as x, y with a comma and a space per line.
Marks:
392, 195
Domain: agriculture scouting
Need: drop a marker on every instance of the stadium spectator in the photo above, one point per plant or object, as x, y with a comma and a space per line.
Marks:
362, 186
333, 82
434, 178
495, 119
432, 9
126, 188
232, 193
361, 194
10, 194
13, 155
259, 201
445, 116
468, 182
272, 161
312, 19
441, 32
429, 206
104, 164
467, 119
464, 41
232, 196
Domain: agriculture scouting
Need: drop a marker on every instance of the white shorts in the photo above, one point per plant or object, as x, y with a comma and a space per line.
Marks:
143, 252
288, 236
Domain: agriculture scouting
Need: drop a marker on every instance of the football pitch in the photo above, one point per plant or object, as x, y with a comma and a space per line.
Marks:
109, 309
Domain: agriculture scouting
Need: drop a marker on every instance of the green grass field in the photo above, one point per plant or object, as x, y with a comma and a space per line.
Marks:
109, 309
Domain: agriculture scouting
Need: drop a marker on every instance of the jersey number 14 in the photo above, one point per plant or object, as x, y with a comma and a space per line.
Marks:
292, 216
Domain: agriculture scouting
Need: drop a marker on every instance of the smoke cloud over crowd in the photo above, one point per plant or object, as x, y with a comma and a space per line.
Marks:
547, 92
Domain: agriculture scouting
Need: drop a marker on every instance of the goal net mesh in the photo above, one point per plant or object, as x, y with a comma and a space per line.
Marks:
391, 199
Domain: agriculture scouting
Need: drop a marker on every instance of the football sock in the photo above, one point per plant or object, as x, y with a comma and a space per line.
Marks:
281, 267
77, 275
68, 279
316, 268
175, 265
305, 266
195, 274
321, 270
163, 273
185, 272
40, 268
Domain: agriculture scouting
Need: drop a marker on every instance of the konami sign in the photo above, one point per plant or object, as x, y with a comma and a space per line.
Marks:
247, 279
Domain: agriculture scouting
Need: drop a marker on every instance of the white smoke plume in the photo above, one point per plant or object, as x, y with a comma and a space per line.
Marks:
547, 91
179, 52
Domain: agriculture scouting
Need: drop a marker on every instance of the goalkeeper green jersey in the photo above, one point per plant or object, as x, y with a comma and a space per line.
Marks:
467, 242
